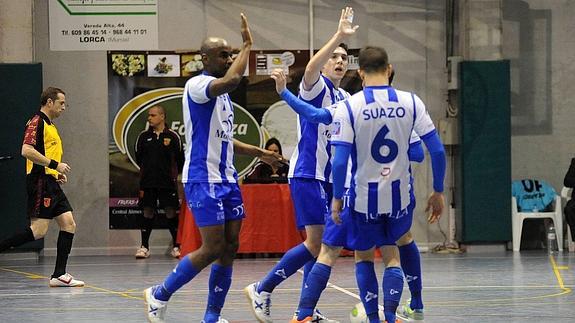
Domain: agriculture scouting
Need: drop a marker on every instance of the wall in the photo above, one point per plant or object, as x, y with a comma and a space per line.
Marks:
540, 45
16, 31
412, 31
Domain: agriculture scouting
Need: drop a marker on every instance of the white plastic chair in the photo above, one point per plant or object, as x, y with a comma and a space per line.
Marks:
517, 219
566, 194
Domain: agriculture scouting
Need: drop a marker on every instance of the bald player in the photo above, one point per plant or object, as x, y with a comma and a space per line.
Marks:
209, 176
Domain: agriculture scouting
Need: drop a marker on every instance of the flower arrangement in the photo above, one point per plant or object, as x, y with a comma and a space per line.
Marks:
194, 65
163, 67
128, 65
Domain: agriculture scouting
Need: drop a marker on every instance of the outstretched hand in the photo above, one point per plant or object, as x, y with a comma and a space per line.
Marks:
435, 204
280, 78
272, 158
246, 33
345, 26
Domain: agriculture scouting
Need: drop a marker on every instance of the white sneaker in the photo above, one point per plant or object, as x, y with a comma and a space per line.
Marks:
318, 317
260, 303
142, 253
175, 252
66, 280
155, 309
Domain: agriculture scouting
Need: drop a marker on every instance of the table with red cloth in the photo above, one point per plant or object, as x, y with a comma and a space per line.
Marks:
269, 226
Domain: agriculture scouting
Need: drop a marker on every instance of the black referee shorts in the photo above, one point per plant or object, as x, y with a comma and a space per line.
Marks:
46, 200
167, 197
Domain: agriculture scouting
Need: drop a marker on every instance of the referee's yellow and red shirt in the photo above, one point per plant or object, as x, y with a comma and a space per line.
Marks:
42, 134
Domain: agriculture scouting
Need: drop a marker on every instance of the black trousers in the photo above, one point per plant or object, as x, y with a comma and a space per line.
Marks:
569, 212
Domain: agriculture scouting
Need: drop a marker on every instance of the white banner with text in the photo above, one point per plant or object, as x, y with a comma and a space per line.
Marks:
103, 24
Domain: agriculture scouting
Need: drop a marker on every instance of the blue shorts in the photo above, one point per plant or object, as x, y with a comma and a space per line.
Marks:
335, 235
364, 234
214, 203
310, 200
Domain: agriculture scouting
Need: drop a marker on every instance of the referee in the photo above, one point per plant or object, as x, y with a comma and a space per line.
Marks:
160, 158
45, 171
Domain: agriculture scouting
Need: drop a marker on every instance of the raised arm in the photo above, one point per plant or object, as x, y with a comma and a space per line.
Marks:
233, 76
307, 111
315, 64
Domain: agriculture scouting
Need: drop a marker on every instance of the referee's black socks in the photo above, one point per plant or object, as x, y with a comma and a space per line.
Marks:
63, 250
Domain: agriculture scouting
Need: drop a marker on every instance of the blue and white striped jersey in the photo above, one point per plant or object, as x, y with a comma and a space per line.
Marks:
311, 157
209, 134
378, 123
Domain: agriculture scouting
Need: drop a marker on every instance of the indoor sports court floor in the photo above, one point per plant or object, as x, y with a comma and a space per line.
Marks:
493, 287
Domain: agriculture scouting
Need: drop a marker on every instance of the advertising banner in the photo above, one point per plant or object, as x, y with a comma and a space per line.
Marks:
138, 80
103, 24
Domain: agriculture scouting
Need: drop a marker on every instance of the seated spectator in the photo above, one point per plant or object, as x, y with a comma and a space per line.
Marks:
264, 173
533, 195
569, 210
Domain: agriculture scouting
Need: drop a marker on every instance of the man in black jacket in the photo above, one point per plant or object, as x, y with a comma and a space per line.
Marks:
569, 210
160, 158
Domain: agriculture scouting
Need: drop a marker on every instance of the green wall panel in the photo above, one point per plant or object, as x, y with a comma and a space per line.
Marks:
484, 171
20, 89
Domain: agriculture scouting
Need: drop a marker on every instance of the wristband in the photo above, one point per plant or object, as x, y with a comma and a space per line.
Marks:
53, 164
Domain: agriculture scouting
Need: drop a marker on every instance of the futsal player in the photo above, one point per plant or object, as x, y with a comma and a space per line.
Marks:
209, 177
310, 168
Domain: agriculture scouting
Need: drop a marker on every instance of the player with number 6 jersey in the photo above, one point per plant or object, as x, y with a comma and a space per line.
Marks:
374, 127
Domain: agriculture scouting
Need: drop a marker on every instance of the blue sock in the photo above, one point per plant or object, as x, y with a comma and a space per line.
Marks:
392, 288
374, 318
315, 284
306, 269
411, 265
293, 260
219, 285
181, 275
368, 288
